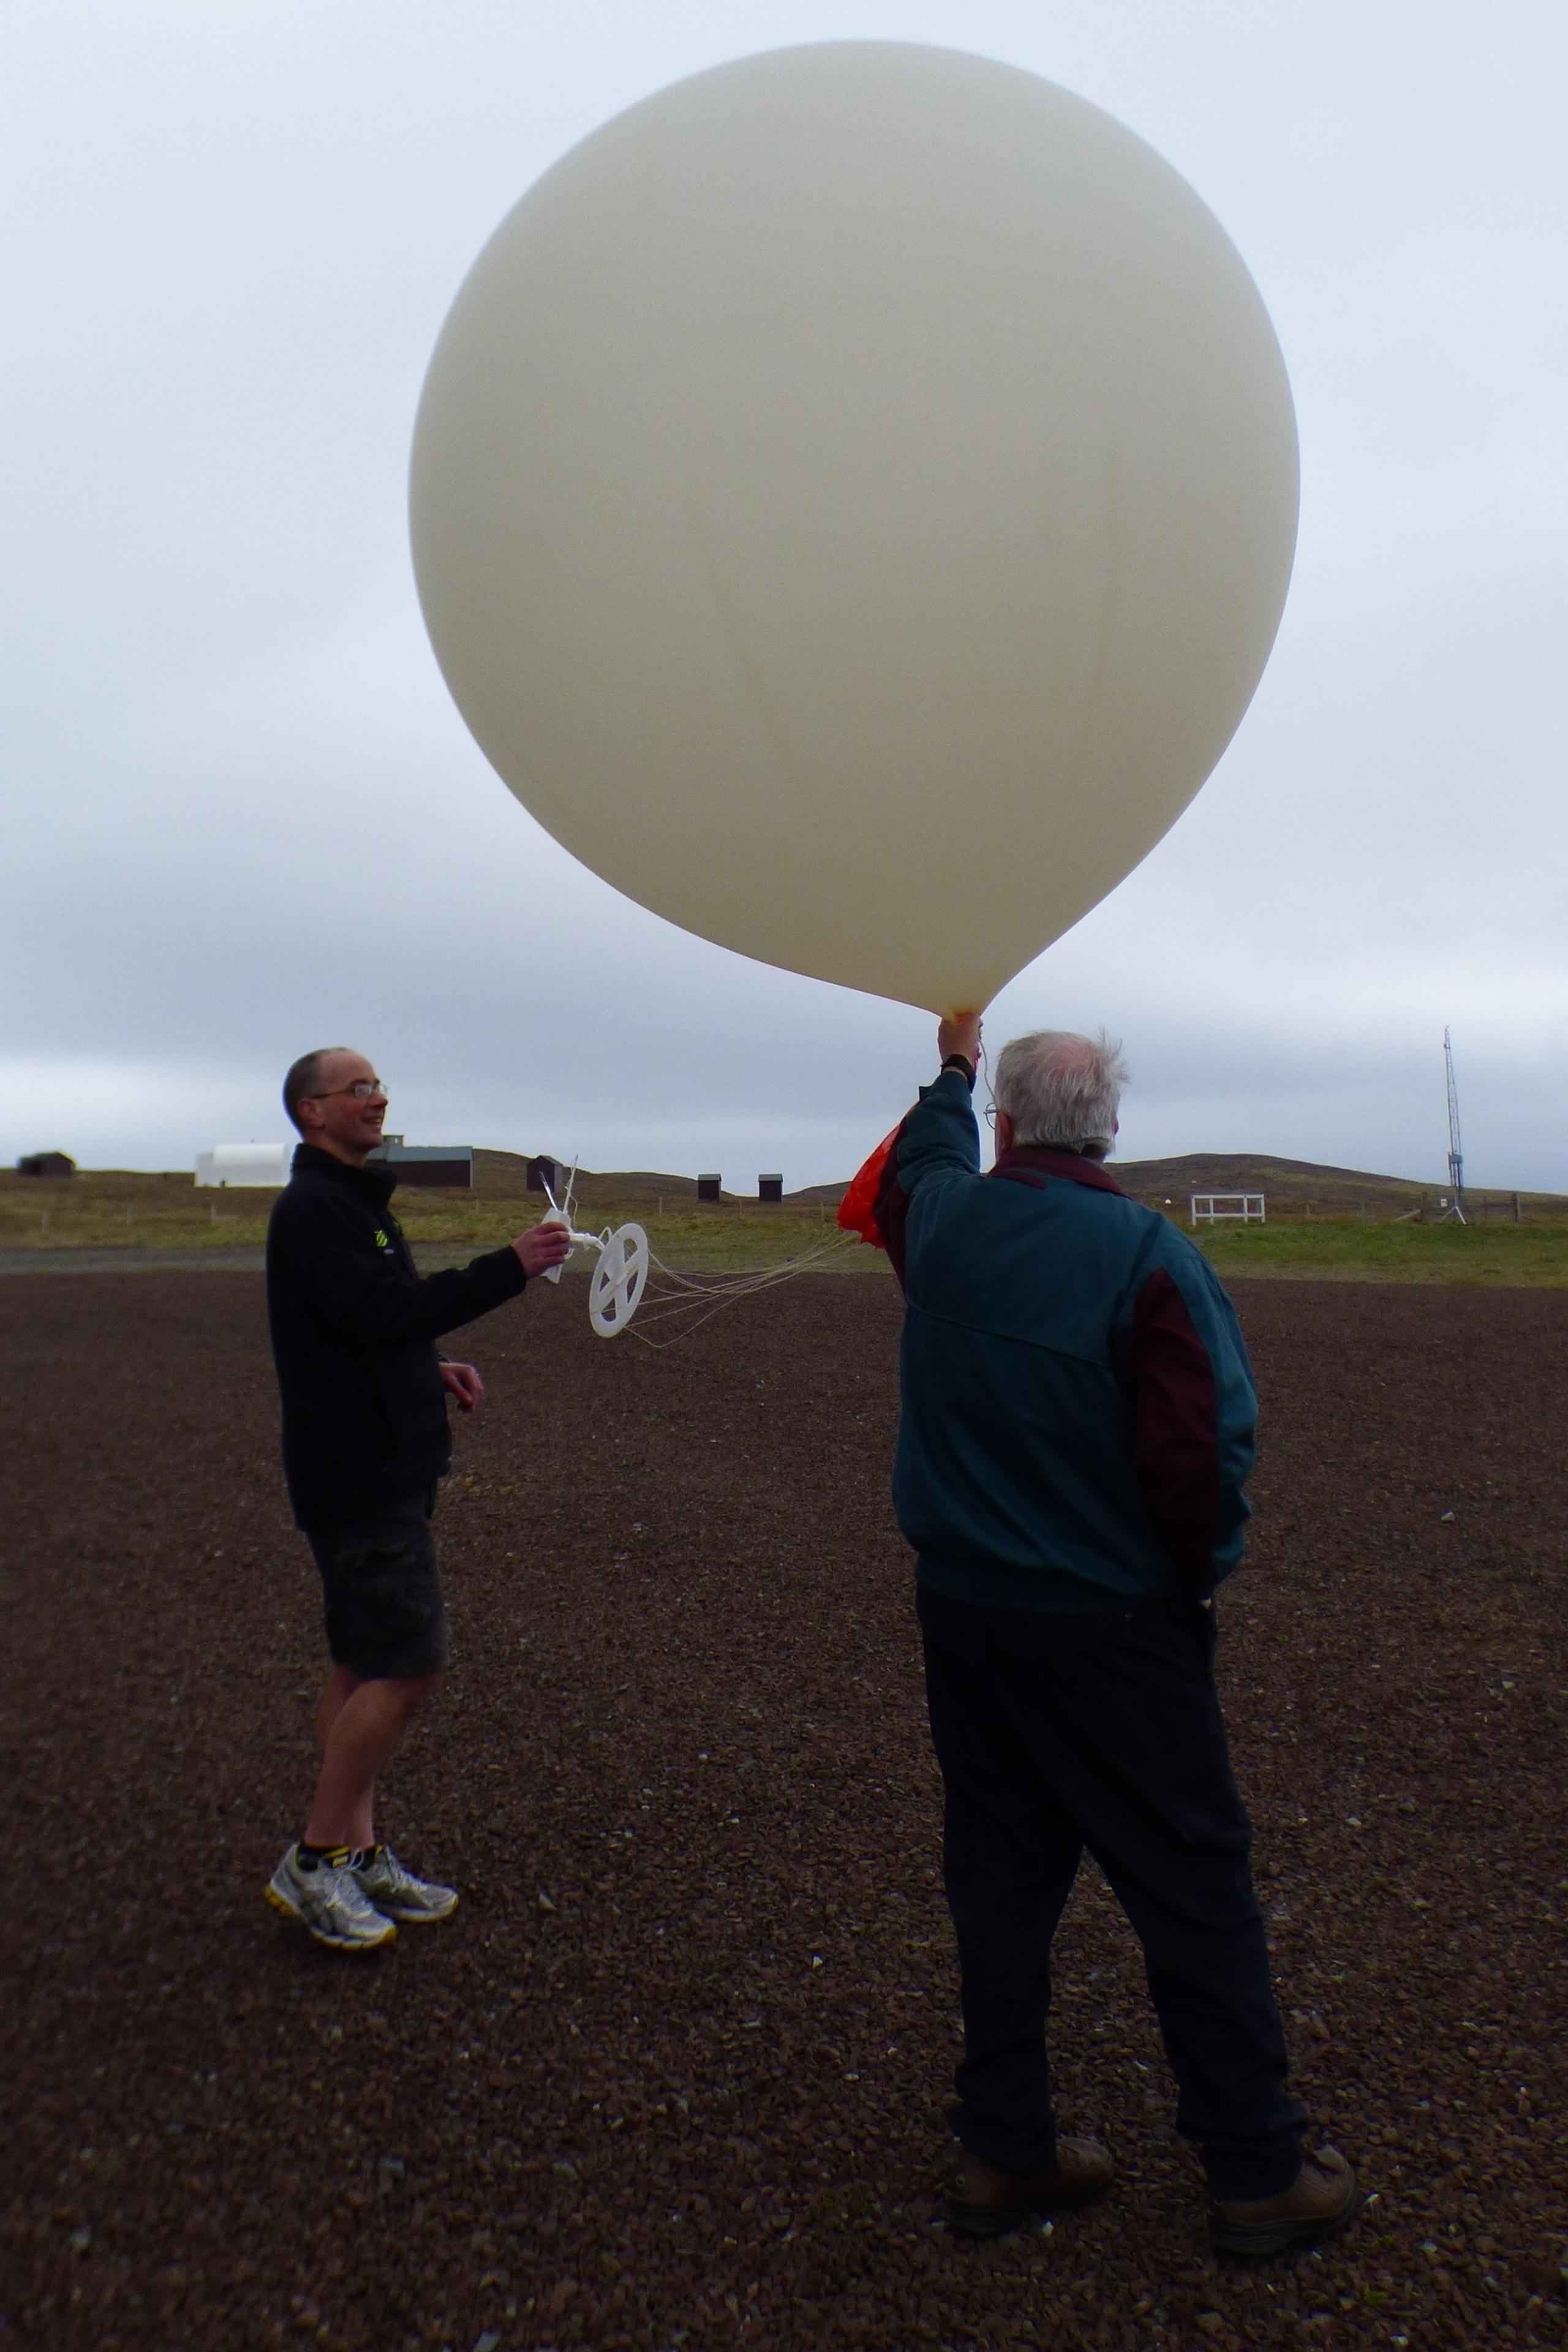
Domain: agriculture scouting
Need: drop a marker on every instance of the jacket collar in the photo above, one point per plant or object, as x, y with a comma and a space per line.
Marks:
375, 1183
1071, 1165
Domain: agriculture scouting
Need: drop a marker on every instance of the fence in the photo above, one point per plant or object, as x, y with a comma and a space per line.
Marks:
1209, 1206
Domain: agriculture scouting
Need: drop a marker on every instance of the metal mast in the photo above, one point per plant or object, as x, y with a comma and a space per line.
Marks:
1455, 1150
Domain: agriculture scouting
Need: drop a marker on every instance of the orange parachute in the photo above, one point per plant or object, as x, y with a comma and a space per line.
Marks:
857, 1210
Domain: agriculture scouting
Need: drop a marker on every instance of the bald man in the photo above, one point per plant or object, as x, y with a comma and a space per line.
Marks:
365, 1440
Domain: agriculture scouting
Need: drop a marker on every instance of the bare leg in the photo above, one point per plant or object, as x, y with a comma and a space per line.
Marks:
359, 1733
341, 1684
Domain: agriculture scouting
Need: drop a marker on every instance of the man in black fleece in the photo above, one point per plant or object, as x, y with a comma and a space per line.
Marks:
365, 1396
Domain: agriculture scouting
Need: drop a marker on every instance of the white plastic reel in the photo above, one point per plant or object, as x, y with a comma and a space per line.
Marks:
561, 1214
618, 1280
578, 1241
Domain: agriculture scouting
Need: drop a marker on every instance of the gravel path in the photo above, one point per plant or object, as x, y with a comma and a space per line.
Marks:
674, 2075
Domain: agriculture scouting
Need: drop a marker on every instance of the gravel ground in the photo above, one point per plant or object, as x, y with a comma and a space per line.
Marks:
674, 2075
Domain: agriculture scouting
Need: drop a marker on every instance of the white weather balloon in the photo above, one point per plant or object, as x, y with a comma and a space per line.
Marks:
853, 499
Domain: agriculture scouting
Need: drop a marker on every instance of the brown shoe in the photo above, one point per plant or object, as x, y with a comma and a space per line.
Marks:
1321, 2198
986, 2203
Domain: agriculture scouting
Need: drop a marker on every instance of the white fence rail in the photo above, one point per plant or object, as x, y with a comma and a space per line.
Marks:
1247, 1207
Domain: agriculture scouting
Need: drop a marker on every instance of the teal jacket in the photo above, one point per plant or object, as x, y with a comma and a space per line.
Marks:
1079, 1410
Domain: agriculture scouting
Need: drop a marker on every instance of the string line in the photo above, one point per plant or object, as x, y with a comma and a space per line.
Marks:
696, 1299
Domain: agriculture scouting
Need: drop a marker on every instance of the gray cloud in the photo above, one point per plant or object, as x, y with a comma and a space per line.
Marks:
241, 816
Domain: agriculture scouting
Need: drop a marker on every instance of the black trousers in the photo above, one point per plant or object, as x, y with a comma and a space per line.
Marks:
1059, 1732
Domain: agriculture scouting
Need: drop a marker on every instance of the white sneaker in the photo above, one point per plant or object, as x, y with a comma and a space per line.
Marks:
329, 1902
397, 1893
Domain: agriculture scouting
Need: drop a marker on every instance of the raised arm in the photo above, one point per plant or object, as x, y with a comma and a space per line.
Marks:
937, 1137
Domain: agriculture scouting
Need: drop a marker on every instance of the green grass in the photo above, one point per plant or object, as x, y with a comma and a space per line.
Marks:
1532, 1256
147, 1211
156, 1213
725, 1239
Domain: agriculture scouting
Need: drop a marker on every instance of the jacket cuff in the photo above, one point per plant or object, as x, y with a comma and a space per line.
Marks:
510, 1276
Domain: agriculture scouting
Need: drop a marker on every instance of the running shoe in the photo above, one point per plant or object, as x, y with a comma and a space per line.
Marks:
329, 1902
382, 1880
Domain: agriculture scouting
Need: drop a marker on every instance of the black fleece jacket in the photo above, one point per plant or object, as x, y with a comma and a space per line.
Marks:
355, 1329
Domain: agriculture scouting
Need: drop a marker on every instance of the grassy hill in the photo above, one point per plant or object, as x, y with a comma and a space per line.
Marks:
1305, 1188
503, 1175
1322, 1222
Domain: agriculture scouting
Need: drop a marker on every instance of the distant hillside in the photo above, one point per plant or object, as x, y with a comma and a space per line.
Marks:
38, 1205
1292, 1188
1286, 1180
1300, 1187
504, 1175
1289, 1188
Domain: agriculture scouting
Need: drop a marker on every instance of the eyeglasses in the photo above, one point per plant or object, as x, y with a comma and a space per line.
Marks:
362, 1091
990, 1114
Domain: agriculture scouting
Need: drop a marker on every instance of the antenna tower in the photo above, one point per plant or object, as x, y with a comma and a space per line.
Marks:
1455, 1212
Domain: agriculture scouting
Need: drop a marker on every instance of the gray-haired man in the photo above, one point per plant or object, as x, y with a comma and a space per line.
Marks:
1075, 1436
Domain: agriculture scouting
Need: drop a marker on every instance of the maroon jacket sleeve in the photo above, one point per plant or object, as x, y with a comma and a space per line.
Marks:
1176, 1438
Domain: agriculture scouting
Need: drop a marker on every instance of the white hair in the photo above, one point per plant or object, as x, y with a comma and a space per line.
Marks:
1062, 1089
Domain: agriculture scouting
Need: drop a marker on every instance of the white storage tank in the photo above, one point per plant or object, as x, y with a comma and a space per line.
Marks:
263, 1166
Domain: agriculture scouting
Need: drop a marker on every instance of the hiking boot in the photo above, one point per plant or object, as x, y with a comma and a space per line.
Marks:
1321, 2198
986, 2203
329, 1902
397, 1893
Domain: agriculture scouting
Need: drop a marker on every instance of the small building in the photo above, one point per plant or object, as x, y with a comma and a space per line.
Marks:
449, 1165
45, 1163
254, 1167
769, 1189
544, 1174
707, 1188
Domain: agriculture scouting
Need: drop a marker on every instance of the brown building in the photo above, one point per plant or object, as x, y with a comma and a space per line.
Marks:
448, 1165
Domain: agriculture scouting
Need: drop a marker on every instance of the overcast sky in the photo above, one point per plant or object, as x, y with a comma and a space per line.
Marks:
242, 816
